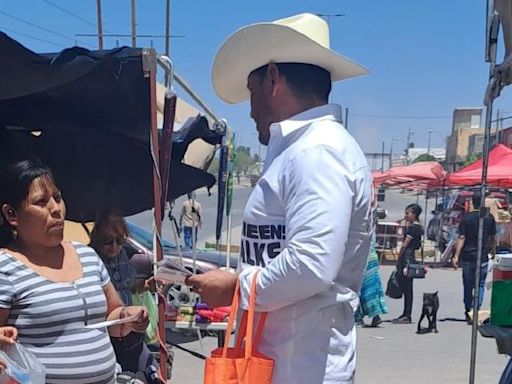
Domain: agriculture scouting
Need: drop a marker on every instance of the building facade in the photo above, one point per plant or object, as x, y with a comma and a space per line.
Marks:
464, 138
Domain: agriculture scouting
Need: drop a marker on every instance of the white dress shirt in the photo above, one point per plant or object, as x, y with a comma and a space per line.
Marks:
307, 226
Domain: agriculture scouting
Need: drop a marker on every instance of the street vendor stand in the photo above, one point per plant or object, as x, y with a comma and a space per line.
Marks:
420, 176
387, 236
92, 118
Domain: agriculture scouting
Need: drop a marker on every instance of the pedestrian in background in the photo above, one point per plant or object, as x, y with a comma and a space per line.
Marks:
407, 255
466, 252
372, 302
190, 219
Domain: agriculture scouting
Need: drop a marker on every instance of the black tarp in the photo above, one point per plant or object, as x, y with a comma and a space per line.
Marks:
93, 112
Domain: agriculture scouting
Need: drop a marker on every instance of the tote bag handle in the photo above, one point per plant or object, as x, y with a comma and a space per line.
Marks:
247, 323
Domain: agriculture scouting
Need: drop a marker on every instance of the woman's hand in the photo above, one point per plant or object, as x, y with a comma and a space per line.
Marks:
142, 321
149, 284
8, 335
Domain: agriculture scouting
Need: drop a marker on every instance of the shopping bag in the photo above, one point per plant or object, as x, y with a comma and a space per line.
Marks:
393, 288
21, 366
240, 364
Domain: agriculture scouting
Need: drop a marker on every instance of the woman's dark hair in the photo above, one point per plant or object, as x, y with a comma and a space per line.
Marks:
416, 209
305, 80
15, 181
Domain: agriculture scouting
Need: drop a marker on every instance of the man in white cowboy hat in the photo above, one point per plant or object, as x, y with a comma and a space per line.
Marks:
307, 222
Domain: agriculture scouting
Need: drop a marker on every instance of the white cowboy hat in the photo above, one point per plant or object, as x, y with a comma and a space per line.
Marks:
298, 39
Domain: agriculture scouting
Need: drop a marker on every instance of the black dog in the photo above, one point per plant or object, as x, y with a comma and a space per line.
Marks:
430, 307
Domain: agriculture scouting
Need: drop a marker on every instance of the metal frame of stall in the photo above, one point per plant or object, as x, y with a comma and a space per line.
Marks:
493, 90
161, 155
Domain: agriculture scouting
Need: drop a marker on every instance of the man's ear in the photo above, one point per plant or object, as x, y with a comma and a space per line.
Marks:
9, 214
275, 78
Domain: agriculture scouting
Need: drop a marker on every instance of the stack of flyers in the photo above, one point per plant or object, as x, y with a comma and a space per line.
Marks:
170, 272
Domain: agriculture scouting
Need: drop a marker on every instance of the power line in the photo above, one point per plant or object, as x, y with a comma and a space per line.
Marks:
69, 13
32, 37
401, 117
39, 27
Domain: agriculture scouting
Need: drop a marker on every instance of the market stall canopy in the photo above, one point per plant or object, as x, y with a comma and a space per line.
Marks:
499, 168
87, 115
416, 176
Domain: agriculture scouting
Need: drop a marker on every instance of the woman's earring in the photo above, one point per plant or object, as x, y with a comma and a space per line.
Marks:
14, 234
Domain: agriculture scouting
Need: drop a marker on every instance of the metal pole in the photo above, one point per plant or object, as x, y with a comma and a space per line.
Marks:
441, 225
134, 31
391, 153
194, 236
167, 26
382, 158
424, 224
428, 142
150, 69
228, 243
346, 119
493, 37
100, 25
164, 62
409, 135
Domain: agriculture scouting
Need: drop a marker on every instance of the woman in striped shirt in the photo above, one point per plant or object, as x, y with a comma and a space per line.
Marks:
50, 290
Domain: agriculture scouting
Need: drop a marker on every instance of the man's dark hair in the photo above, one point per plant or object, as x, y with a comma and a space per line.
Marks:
477, 196
305, 80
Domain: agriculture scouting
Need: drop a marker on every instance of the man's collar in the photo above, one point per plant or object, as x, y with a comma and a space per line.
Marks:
323, 112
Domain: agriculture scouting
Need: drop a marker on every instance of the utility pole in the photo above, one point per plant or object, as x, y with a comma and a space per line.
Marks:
382, 159
391, 151
100, 25
498, 126
346, 119
167, 26
410, 133
428, 142
134, 31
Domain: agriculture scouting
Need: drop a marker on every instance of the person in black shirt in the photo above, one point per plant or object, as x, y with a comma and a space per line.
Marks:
466, 250
411, 242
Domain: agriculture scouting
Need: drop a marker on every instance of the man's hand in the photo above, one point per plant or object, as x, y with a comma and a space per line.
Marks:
455, 262
215, 287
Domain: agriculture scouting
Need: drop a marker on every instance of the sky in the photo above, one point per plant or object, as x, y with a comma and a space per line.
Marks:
426, 58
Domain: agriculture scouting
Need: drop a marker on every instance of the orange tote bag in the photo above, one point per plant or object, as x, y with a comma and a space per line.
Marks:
240, 364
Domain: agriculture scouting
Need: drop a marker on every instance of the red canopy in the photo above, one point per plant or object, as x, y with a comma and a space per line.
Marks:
499, 170
418, 175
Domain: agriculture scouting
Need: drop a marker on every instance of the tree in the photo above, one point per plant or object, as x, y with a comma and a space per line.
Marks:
243, 160
424, 157
472, 157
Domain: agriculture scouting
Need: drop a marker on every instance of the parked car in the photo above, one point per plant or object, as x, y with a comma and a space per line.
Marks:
141, 241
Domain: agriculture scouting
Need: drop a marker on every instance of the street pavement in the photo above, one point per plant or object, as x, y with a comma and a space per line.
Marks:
395, 353
388, 354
